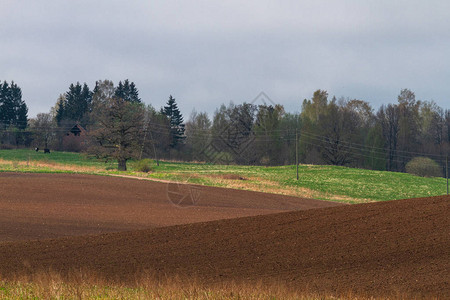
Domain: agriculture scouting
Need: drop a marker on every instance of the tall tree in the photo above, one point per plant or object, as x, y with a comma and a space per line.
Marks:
362, 123
432, 129
409, 126
233, 133
76, 104
198, 134
43, 129
374, 156
338, 129
177, 126
157, 134
267, 136
103, 90
127, 91
13, 110
389, 116
290, 125
312, 112
60, 109
118, 132
312, 109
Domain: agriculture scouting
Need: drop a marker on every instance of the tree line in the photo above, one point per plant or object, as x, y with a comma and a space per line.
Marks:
346, 132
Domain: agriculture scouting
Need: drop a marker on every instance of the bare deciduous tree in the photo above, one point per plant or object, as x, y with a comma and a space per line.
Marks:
118, 130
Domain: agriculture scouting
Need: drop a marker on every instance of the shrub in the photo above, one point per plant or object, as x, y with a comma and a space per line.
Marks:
144, 165
424, 166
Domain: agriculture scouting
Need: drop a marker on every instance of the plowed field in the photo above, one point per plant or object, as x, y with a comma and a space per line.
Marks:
388, 248
40, 206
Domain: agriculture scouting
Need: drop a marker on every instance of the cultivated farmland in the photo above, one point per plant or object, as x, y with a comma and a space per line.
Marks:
63, 235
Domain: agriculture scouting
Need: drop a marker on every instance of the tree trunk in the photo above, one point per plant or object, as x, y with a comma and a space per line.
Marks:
122, 164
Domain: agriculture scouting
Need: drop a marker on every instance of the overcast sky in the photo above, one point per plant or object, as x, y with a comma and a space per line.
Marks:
205, 53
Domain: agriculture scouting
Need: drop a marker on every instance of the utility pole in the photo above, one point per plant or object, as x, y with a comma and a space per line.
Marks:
154, 148
145, 134
446, 171
296, 151
143, 143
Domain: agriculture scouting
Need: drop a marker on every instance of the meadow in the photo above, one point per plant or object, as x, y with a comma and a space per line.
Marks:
334, 183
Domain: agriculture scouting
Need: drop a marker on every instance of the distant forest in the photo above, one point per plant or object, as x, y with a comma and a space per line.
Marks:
344, 132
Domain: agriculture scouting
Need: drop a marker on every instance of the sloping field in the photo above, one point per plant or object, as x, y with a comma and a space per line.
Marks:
399, 248
39, 206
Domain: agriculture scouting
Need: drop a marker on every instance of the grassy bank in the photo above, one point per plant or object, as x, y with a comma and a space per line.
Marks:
321, 182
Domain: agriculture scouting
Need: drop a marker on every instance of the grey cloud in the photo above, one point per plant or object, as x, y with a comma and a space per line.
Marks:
209, 52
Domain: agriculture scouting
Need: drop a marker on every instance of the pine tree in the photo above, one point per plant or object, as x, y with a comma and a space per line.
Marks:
175, 117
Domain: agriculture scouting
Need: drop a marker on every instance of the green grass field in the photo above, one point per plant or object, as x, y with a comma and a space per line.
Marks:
321, 182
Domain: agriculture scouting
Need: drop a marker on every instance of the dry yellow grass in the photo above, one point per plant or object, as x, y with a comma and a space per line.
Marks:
267, 186
52, 286
48, 165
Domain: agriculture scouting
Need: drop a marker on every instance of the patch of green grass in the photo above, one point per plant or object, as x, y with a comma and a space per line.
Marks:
321, 182
328, 182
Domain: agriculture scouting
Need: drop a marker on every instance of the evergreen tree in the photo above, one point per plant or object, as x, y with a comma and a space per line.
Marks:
175, 117
60, 109
77, 103
73, 105
127, 91
13, 110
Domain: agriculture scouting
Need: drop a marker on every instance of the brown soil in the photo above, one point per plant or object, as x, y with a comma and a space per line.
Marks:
41, 206
399, 248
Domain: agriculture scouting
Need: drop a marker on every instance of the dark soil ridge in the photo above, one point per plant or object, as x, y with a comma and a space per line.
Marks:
399, 248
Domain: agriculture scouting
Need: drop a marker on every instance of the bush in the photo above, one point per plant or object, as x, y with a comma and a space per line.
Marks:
424, 166
144, 165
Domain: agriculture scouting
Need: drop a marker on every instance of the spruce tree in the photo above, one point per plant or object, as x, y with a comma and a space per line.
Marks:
77, 103
4, 104
13, 110
60, 109
127, 91
175, 117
